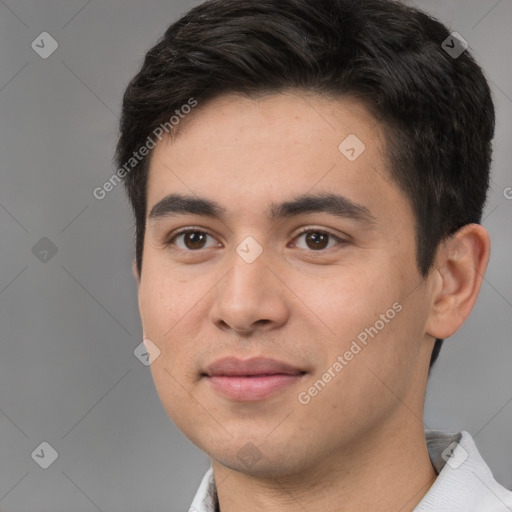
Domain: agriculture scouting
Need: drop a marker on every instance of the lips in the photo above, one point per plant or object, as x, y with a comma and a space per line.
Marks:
251, 379
232, 366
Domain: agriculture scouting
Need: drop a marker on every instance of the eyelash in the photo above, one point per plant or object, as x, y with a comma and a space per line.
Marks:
185, 231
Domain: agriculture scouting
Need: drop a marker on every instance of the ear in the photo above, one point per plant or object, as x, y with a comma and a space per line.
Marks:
137, 278
135, 272
460, 265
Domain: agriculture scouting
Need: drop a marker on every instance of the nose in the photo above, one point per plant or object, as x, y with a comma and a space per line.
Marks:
250, 299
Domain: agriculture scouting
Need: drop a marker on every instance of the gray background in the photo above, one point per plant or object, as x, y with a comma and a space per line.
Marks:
70, 324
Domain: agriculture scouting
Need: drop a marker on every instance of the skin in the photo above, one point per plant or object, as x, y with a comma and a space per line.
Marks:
359, 443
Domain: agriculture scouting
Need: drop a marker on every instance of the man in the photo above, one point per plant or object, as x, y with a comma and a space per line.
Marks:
308, 179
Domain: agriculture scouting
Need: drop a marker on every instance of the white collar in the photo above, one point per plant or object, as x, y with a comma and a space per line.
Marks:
464, 482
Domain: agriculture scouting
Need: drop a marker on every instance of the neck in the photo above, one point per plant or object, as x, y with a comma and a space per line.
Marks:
388, 470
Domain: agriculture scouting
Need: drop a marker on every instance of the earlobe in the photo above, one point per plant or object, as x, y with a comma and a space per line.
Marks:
135, 272
461, 262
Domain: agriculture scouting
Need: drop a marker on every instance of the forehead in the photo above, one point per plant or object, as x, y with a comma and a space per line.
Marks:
242, 152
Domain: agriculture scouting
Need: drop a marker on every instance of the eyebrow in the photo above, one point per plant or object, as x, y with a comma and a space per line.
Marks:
334, 204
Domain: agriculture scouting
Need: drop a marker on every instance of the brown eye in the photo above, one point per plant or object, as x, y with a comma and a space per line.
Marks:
191, 240
316, 240
194, 240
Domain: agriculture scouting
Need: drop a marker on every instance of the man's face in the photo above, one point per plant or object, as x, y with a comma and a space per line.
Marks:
249, 283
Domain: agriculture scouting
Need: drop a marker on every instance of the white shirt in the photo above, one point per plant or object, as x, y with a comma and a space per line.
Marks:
464, 482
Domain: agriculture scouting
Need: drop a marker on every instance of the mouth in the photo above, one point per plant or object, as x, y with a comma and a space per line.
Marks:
252, 379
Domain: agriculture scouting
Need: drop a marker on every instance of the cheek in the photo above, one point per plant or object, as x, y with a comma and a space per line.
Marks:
163, 310
348, 300
164, 298
176, 397
372, 324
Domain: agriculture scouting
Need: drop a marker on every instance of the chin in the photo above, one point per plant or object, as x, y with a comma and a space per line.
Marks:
245, 457
261, 468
